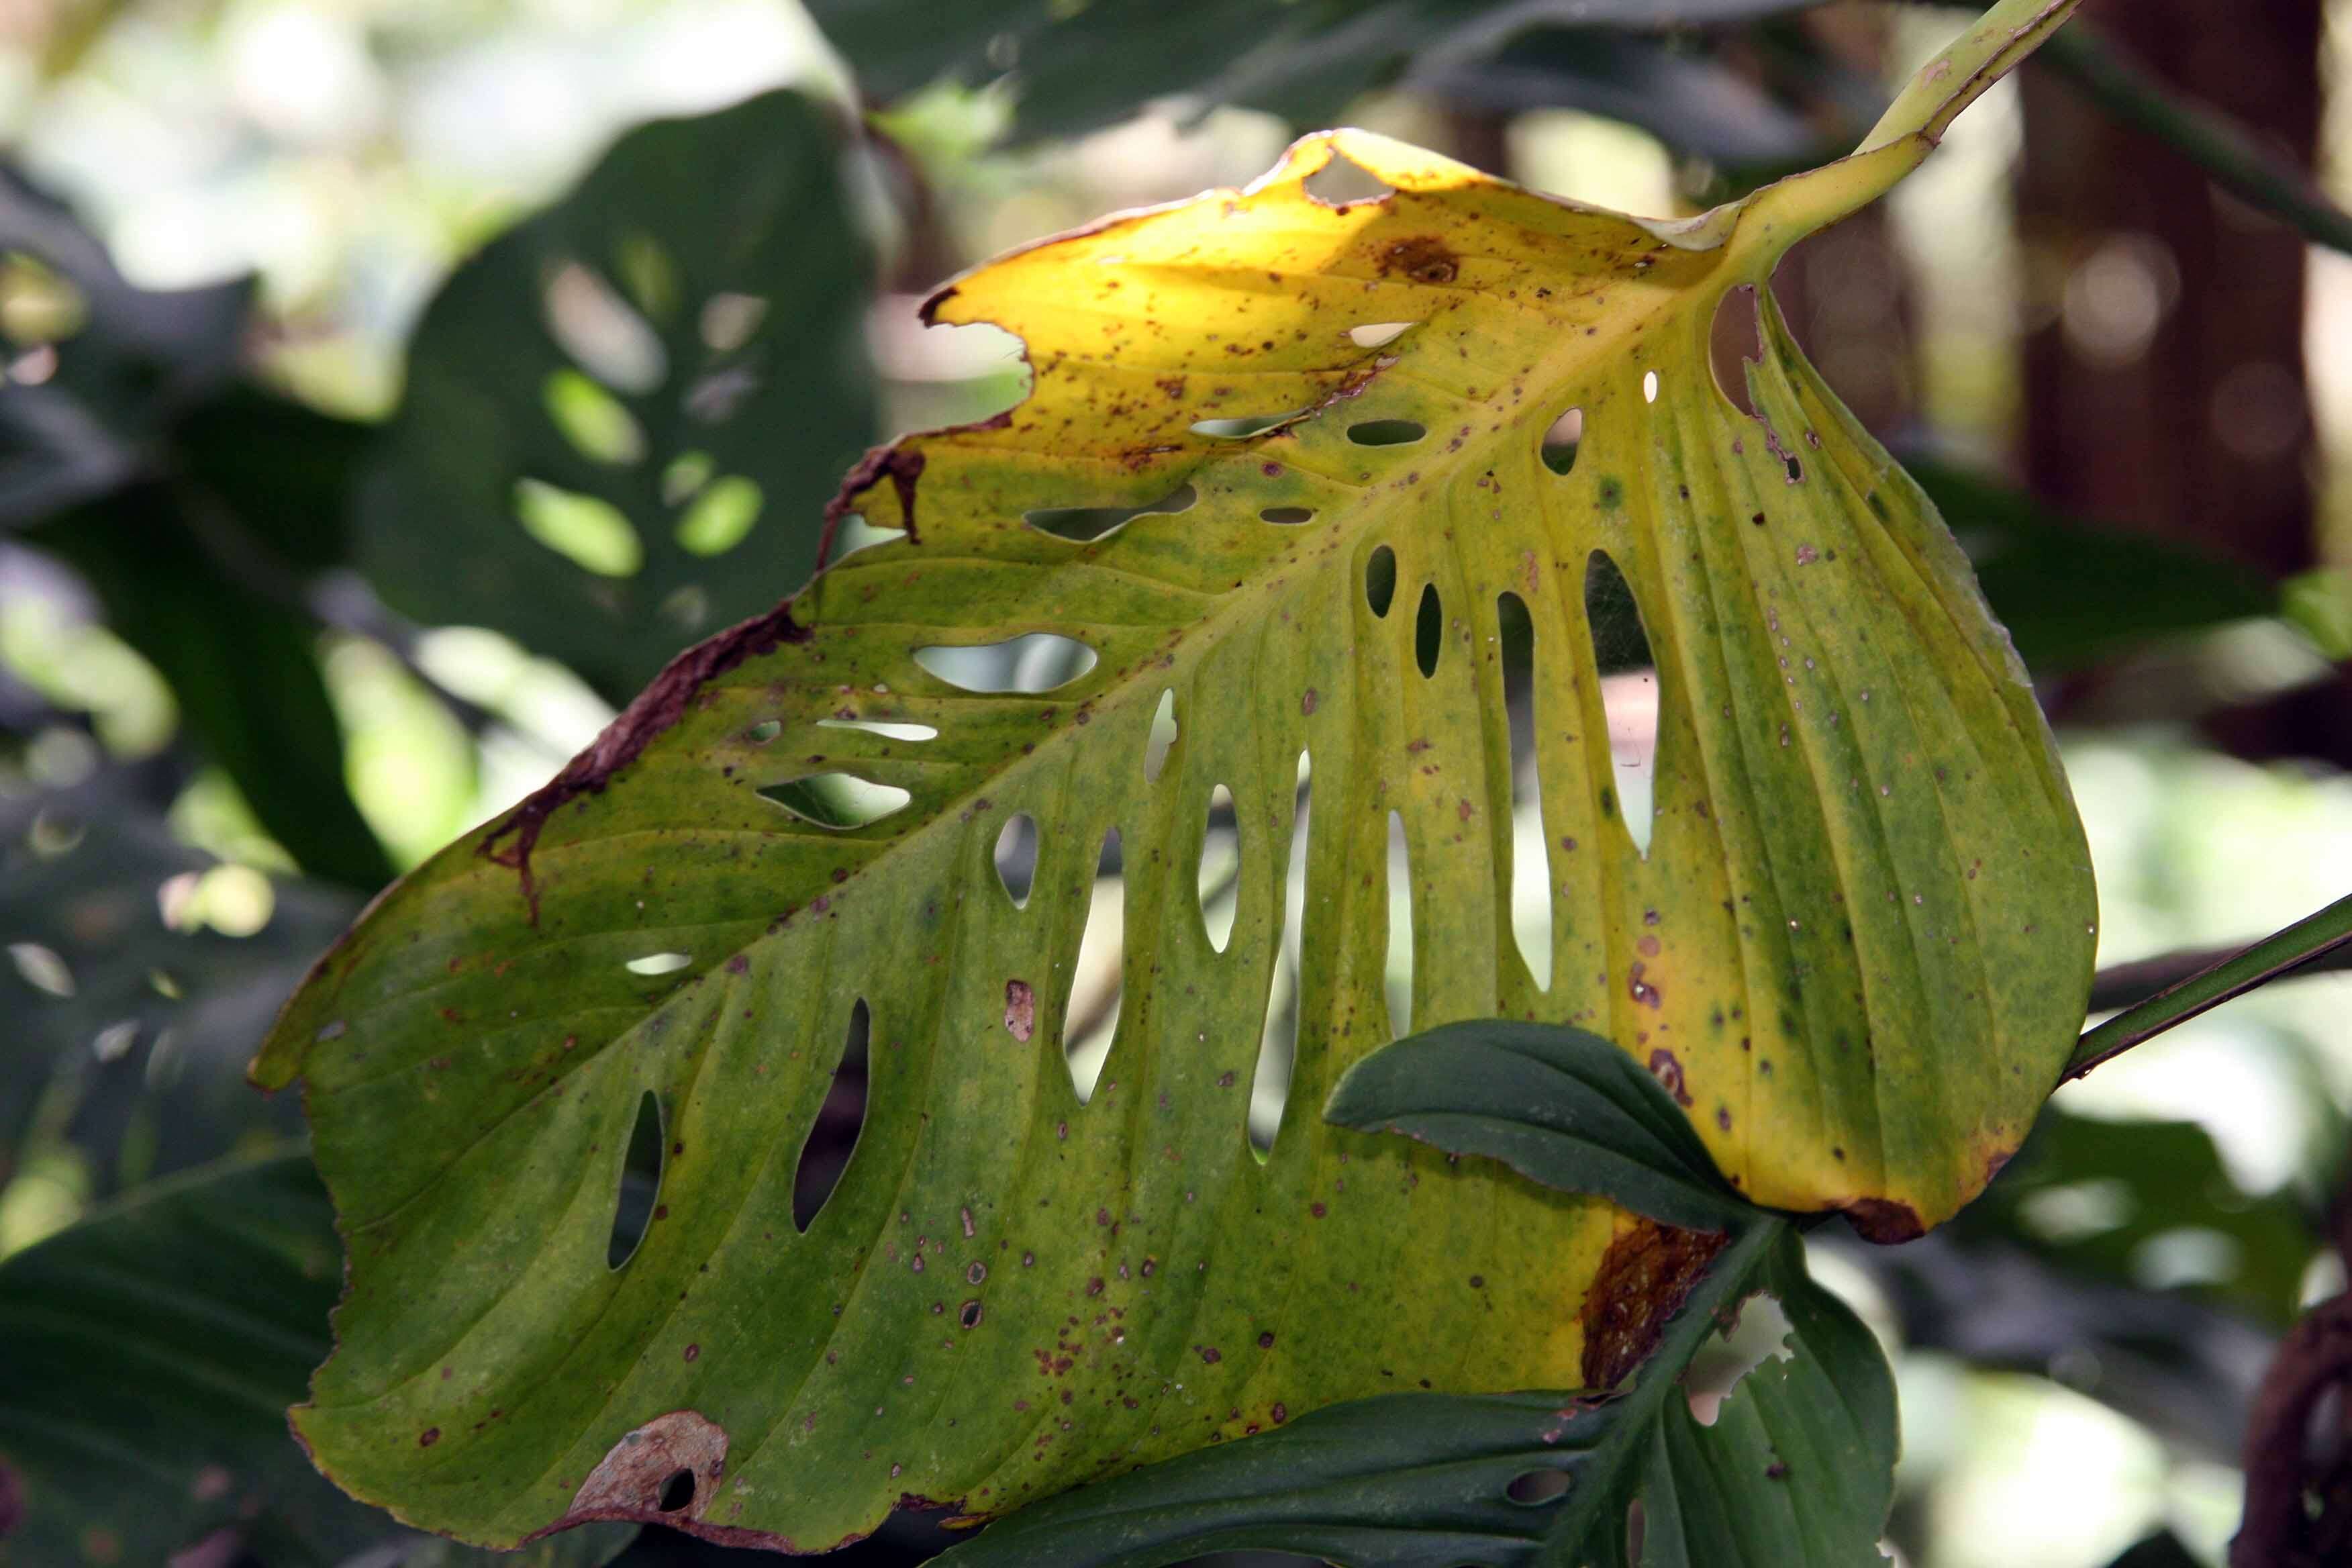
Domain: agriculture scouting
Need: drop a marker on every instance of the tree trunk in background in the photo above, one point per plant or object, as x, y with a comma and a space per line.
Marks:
2164, 384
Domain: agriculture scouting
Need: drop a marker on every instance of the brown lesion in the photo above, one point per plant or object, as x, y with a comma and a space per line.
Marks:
1885, 1221
1642, 1281
1423, 257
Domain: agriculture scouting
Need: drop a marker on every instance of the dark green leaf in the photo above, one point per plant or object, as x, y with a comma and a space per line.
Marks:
2133, 1200
237, 647
1559, 1106
2071, 593
142, 1063
602, 401
126, 360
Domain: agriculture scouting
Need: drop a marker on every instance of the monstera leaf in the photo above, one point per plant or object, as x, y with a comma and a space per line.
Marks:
1285, 466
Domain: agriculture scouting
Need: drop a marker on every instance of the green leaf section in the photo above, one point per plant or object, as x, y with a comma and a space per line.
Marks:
1796, 1466
624, 415
1857, 939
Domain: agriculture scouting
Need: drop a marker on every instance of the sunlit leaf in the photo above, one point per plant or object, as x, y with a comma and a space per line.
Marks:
1855, 949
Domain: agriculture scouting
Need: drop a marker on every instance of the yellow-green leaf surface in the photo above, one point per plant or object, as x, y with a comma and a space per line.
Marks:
1856, 947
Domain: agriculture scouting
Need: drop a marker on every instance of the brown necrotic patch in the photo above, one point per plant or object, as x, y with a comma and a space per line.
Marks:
1642, 1278
1423, 257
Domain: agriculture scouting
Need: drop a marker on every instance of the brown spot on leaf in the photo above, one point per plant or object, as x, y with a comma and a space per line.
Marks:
1020, 1010
1668, 1072
1883, 1221
430, 1435
657, 1458
1423, 257
1642, 1278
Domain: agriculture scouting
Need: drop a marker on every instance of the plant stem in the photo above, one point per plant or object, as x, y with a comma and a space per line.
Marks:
2228, 153
2300, 943
2124, 985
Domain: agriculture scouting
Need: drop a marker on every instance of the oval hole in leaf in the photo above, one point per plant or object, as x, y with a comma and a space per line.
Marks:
722, 516
1218, 876
1733, 339
598, 425
600, 332
657, 964
1037, 662
1287, 515
1398, 971
1277, 1050
838, 801
1380, 580
1241, 427
1080, 524
684, 475
1016, 857
1629, 696
1090, 1019
1538, 1487
1341, 181
1379, 335
1648, 386
1560, 440
1387, 432
1162, 737
1531, 857
765, 730
592, 534
888, 730
840, 1116
678, 1490
640, 1184
1428, 631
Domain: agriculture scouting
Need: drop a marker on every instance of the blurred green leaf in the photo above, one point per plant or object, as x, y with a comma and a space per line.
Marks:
151, 1353
1081, 67
2149, 1203
141, 1060
687, 324
2071, 593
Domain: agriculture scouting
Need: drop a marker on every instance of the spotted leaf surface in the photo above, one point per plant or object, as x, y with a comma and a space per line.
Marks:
1249, 554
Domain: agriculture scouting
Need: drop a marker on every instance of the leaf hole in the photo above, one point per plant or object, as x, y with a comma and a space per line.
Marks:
722, 516
1277, 1050
1241, 427
1386, 432
889, 729
685, 475
840, 1116
601, 331
1796, 471
591, 533
1016, 857
1217, 878
1530, 859
1429, 631
1398, 971
1629, 696
1538, 1487
1380, 580
1080, 524
1379, 335
678, 1490
765, 730
1560, 440
1287, 515
596, 424
1031, 664
659, 964
1759, 1333
838, 802
1091, 1019
1342, 182
640, 1184
1734, 340
1648, 386
1161, 738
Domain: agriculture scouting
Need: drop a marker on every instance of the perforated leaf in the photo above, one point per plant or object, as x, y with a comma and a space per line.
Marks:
1856, 947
